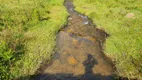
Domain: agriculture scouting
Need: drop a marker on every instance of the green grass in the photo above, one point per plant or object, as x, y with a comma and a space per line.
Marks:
37, 21
124, 45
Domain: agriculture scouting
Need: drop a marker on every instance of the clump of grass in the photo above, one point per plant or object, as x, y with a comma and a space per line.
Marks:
11, 50
39, 21
124, 45
5, 60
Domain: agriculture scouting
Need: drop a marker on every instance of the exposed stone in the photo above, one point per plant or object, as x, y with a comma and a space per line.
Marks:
75, 42
69, 30
72, 60
69, 18
86, 22
65, 53
130, 15
91, 39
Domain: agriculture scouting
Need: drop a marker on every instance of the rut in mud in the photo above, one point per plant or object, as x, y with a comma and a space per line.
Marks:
79, 54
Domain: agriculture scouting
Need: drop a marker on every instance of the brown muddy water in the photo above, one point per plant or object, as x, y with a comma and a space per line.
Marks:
79, 54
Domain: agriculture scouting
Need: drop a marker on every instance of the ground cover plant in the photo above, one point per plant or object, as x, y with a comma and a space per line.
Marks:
122, 20
27, 34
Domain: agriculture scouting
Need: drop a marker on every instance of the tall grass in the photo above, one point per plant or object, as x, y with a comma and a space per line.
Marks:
27, 34
122, 20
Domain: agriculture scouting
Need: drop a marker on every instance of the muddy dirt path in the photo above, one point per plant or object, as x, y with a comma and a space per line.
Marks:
79, 54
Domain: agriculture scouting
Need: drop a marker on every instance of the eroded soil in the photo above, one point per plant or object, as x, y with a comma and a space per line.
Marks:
79, 54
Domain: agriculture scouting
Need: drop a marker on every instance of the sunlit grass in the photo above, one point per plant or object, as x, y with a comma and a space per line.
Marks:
41, 47
124, 45
40, 20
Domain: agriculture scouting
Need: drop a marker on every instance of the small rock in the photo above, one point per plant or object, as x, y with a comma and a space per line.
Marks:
72, 60
65, 53
69, 30
75, 42
91, 39
130, 15
69, 24
69, 18
71, 9
85, 17
86, 22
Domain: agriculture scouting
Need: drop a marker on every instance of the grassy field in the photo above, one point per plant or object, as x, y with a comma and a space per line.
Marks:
27, 34
122, 20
